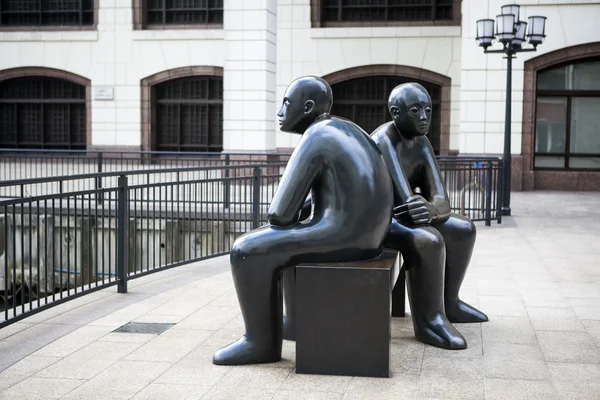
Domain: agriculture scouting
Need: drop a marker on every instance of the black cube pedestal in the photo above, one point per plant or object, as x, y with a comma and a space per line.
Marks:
343, 313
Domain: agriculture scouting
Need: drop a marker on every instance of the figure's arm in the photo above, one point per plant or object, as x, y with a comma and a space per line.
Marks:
402, 190
433, 188
306, 208
302, 169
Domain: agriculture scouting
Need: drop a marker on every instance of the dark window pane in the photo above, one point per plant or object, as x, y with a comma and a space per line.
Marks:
189, 114
390, 10
46, 12
551, 125
549, 162
184, 12
585, 125
41, 112
364, 101
584, 162
578, 76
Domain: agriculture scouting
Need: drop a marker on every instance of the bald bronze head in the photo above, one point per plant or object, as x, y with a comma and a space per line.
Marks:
410, 107
305, 100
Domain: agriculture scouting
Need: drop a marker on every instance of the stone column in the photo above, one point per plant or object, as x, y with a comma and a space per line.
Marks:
249, 82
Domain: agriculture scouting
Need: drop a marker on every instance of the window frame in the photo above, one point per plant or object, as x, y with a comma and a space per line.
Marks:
140, 20
36, 28
568, 94
148, 87
19, 143
317, 18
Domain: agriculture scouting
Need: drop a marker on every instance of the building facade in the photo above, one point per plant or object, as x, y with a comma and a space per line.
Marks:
208, 75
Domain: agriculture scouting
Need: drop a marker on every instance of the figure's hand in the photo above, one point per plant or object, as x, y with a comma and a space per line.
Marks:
415, 210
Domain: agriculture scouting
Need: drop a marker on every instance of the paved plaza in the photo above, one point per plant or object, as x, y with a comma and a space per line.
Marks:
537, 276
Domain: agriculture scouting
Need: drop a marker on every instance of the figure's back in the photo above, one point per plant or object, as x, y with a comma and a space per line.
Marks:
354, 183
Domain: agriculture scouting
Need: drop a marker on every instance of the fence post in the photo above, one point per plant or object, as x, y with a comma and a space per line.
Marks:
227, 183
488, 194
99, 195
122, 235
255, 197
500, 189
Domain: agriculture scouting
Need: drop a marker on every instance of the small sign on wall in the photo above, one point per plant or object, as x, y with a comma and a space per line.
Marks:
104, 93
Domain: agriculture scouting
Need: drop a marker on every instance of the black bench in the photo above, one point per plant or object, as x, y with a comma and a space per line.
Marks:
343, 315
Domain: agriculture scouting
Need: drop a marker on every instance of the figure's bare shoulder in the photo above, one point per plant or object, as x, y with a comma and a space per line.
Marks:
385, 134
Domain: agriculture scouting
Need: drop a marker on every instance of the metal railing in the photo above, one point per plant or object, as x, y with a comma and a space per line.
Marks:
474, 186
18, 164
59, 246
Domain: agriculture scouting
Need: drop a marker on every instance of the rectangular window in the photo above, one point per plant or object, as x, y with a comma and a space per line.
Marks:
585, 125
567, 123
551, 125
15, 13
184, 12
387, 10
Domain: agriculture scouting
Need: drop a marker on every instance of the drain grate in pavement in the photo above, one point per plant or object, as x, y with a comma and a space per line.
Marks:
143, 327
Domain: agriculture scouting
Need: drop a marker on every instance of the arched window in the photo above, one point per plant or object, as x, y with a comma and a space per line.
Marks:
42, 113
364, 101
567, 125
189, 114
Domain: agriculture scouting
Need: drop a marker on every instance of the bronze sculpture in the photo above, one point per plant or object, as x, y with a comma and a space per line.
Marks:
352, 196
435, 243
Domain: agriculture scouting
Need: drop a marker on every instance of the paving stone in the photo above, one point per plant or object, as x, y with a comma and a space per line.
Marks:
533, 297
89, 361
576, 381
14, 328
575, 347
401, 386
209, 318
508, 330
29, 366
455, 378
518, 389
498, 287
163, 391
74, 341
317, 383
514, 361
40, 388
554, 319
195, 369
586, 308
171, 346
592, 327
262, 376
503, 306
306, 395
406, 356
121, 380
232, 392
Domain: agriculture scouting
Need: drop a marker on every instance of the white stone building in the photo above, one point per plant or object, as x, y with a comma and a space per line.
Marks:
208, 75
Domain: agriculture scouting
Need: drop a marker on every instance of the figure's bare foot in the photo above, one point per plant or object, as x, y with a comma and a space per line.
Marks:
244, 351
461, 312
439, 332
289, 329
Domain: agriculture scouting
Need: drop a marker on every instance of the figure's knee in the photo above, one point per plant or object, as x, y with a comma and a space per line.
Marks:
461, 228
427, 240
239, 252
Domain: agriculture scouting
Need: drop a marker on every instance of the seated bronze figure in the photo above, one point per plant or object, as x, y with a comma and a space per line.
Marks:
352, 199
436, 244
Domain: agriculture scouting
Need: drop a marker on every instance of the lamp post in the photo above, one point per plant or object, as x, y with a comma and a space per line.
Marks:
511, 33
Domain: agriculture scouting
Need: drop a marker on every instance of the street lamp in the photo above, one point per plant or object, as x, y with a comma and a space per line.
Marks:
511, 33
